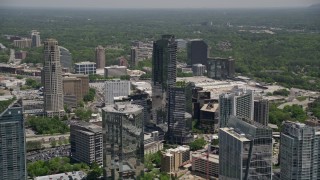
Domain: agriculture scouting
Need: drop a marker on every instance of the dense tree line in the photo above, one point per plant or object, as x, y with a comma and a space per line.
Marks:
197, 144
46, 125
90, 96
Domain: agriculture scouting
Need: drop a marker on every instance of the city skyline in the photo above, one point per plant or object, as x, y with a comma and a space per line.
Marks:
159, 4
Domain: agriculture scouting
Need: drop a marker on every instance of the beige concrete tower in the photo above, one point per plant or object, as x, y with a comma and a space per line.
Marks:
52, 79
100, 57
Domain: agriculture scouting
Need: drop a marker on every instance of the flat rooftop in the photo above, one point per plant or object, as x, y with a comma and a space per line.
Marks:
123, 108
63, 176
203, 155
84, 63
92, 128
211, 107
232, 132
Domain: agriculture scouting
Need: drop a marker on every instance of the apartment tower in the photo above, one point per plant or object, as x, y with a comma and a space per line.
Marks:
52, 78
100, 56
197, 51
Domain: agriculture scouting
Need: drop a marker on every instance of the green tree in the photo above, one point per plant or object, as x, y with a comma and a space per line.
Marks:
197, 144
95, 172
53, 143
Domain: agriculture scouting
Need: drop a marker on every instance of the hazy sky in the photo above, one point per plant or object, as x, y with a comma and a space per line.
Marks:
159, 3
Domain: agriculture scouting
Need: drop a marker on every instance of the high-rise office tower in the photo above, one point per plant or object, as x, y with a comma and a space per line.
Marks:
86, 142
261, 111
52, 78
245, 150
100, 56
179, 121
35, 39
221, 68
197, 52
65, 59
299, 152
123, 137
163, 74
134, 56
12, 142
238, 103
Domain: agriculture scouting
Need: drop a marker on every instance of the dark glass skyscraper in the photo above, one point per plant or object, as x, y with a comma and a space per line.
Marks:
197, 52
123, 149
12, 143
163, 74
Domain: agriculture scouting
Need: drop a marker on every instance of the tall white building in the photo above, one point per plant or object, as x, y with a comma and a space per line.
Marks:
85, 68
299, 152
52, 79
238, 103
116, 88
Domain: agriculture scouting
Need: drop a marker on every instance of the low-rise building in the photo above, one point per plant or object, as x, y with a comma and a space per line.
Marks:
198, 69
172, 159
22, 43
20, 55
63, 176
85, 68
115, 71
205, 164
152, 142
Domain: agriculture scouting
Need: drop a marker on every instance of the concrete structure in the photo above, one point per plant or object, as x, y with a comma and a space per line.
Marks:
52, 78
199, 98
115, 71
299, 152
116, 88
85, 68
63, 176
23, 43
134, 56
123, 149
245, 150
163, 74
179, 122
221, 68
123, 62
100, 56
33, 107
20, 55
197, 51
198, 69
261, 111
65, 58
238, 103
75, 87
208, 117
200, 163
152, 142
172, 159
12, 142
86, 142
35, 39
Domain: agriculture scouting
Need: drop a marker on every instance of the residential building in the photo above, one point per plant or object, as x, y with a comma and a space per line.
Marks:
152, 142
35, 39
299, 152
205, 165
134, 56
197, 52
221, 68
172, 159
199, 97
123, 138
245, 150
198, 69
75, 87
261, 111
86, 142
12, 142
116, 88
115, 71
22, 43
179, 121
123, 62
163, 74
100, 56
85, 67
52, 79
240, 103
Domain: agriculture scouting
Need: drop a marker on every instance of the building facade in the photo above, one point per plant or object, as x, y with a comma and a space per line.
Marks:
100, 56
163, 74
35, 39
115, 71
172, 159
116, 88
238, 103
123, 141
86, 143
12, 143
22, 43
261, 111
65, 58
197, 52
198, 69
75, 85
85, 68
221, 68
52, 78
299, 152
245, 150
203, 162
